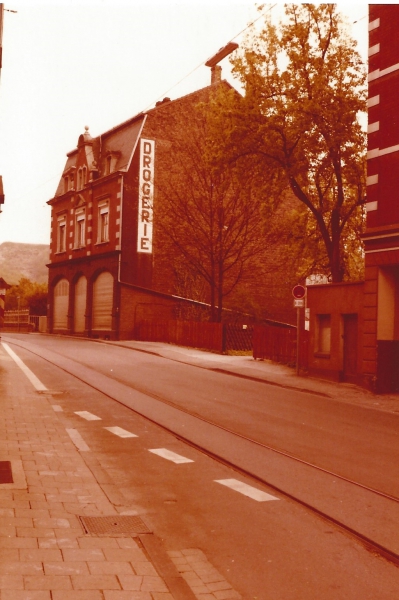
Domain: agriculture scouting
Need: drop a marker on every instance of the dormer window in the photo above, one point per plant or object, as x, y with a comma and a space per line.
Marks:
82, 177
111, 160
69, 179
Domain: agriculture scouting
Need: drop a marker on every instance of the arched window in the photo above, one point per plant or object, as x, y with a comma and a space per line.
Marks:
60, 307
103, 296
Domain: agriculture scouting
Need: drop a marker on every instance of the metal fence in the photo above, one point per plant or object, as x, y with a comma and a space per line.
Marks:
21, 320
238, 338
195, 334
279, 344
16, 316
272, 342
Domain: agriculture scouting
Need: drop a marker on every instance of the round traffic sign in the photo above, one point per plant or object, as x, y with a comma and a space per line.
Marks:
298, 291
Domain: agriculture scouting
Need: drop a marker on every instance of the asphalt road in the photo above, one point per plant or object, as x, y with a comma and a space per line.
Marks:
268, 549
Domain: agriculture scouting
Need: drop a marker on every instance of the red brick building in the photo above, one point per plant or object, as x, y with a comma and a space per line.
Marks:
107, 267
381, 299
372, 307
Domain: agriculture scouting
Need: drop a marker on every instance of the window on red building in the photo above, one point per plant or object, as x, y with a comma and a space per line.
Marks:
80, 228
323, 338
103, 222
61, 233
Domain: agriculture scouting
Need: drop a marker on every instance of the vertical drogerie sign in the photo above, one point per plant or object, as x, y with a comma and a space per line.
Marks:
146, 196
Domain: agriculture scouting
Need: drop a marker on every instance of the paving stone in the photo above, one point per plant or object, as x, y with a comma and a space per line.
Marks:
47, 582
41, 554
77, 595
51, 523
153, 584
123, 595
25, 595
95, 582
110, 568
86, 554
127, 543
14, 542
9, 554
121, 554
34, 532
130, 582
11, 582
20, 568
66, 568
89, 542
58, 543
144, 568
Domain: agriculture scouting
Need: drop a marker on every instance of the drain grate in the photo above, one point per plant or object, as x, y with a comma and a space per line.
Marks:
115, 525
5, 472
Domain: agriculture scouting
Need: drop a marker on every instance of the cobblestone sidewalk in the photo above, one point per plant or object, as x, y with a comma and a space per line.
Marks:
45, 554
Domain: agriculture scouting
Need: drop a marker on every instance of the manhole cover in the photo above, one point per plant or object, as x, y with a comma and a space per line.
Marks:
5, 472
118, 524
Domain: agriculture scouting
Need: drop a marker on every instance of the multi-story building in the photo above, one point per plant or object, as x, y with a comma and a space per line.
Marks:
107, 269
355, 327
381, 297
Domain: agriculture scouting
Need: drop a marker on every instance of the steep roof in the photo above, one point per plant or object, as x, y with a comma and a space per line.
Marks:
120, 141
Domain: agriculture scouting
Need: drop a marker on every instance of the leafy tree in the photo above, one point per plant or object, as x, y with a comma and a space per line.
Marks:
27, 294
207, 213
298, 124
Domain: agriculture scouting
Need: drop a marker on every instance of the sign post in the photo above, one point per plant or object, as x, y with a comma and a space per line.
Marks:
299, 293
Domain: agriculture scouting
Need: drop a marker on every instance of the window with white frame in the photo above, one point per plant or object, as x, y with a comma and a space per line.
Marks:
61, 233
80, 227
103, 222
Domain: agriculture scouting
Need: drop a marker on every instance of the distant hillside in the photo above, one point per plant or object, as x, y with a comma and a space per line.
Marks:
24, 260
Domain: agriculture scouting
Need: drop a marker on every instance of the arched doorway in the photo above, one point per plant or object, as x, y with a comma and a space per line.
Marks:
60, 308
79, 312
103, 296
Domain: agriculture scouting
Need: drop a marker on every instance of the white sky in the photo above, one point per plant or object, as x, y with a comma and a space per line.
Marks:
67, 64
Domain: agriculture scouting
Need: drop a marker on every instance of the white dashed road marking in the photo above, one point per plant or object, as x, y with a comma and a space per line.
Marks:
87, 415
120, 432
57, 408
247, 490
37, 384
169, 455
78, 440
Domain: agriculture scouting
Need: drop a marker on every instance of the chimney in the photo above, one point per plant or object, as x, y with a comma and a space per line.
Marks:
216, 71
216, 74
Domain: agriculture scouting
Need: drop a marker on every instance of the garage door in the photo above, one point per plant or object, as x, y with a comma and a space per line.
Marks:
103, 291
80, 305
60, 311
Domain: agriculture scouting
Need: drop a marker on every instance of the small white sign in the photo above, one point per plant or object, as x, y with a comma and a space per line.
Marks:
299, 302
